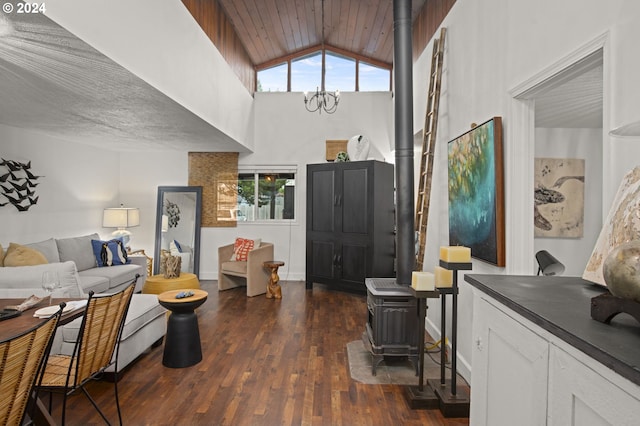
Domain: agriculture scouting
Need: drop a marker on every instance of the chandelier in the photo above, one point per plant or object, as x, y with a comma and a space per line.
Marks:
322, 100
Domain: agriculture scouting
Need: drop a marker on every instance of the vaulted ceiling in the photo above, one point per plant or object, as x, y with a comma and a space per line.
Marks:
52, 82
272, 29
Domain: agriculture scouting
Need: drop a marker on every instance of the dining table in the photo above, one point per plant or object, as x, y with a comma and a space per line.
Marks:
17, 325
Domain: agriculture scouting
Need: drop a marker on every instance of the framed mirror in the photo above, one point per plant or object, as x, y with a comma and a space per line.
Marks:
178, 217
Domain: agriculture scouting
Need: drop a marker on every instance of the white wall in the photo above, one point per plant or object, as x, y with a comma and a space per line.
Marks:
586, 144
286, 135
79, 181
142, 173
76, 184
492, 47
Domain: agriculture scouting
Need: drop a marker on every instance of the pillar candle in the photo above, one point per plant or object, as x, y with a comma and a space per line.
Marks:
422, 281
455, 254
444, 277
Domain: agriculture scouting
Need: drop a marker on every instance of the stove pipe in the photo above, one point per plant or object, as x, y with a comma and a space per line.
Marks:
403, 85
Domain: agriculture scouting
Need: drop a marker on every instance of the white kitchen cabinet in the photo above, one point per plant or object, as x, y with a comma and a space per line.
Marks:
579, 395
537, 368
510, 364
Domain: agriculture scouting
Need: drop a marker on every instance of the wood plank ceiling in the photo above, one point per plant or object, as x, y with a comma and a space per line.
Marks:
271, 30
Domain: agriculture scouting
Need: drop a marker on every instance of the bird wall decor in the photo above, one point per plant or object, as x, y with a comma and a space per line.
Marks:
17, 184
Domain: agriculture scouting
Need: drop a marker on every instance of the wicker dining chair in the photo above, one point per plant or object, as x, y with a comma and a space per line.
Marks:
21, 360
98, 341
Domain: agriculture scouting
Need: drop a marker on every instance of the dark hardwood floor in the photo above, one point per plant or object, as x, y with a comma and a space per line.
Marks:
265, 362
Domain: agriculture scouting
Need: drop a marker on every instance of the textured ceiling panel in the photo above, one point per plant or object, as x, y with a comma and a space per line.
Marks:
575, 104
54, 83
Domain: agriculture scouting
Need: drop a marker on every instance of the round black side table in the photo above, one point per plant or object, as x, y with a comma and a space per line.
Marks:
182, 342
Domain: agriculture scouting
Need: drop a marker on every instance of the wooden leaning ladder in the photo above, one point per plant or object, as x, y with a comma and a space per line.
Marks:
428, 148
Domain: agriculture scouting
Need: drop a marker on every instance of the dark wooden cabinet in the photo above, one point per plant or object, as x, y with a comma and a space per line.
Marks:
350, 223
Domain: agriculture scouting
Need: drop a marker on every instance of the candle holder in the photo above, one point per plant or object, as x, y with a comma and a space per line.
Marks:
421, 396
454, 402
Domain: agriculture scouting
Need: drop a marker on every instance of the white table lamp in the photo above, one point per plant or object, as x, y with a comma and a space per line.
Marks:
121, 218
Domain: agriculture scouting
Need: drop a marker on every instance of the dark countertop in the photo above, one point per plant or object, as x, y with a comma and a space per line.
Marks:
562, 306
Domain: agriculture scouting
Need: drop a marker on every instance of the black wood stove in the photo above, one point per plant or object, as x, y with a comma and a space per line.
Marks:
392, 325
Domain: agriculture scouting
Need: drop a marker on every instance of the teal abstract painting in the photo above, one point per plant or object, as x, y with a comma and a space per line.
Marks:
476, 192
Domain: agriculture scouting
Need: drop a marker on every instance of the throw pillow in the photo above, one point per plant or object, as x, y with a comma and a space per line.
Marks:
47, 247
1, 256
242, 247
175, 248
79, 250
110, 253
18, 255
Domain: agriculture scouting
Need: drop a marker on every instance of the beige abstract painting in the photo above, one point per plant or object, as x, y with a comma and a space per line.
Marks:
622, 225
559, 197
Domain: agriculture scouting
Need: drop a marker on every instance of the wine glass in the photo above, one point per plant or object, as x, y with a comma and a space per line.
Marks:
50, 282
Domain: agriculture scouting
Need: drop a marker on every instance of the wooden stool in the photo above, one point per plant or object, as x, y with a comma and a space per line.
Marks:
157, 284
182, 342
273, 288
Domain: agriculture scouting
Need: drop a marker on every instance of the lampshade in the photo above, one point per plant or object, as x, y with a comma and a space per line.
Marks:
120, 217
547, 264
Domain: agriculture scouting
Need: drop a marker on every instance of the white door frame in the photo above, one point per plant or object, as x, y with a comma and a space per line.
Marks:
520, 152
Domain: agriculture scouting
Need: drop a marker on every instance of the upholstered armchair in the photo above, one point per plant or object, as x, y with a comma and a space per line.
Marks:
249, 273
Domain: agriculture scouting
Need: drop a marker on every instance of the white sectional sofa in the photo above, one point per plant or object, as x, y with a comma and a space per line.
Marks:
75, 262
